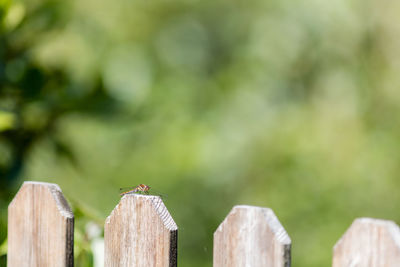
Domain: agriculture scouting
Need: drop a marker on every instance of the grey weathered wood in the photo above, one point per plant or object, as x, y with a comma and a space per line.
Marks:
40, 227
251, 236
140, 232
368, 243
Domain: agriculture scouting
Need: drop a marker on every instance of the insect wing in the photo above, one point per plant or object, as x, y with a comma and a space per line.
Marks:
157, 193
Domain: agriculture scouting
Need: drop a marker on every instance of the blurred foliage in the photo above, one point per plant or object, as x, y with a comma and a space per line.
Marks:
34, 96
287, 104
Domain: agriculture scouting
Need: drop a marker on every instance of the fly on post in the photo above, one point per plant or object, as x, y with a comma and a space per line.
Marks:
140, 189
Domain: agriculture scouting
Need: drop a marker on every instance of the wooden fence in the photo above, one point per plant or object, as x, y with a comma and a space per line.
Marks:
141, 232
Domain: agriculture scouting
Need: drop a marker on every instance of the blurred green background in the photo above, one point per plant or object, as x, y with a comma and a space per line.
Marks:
293, 105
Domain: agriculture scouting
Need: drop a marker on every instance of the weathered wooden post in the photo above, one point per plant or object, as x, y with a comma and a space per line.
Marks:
368, 243
140, 232
40, 227
251, 236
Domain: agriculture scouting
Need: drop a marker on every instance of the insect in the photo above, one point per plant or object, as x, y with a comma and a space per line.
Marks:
140, 189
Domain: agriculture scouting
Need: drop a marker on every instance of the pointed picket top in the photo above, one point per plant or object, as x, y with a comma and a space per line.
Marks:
40, 227
251, 236
140, 232
368, 243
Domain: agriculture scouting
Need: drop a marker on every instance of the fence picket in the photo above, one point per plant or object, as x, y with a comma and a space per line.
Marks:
140, 232
368, 243
40, 227
251, 236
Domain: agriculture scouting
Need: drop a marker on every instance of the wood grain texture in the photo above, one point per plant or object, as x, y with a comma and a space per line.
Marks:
251, 236
368, 243
40, 227
140, 232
